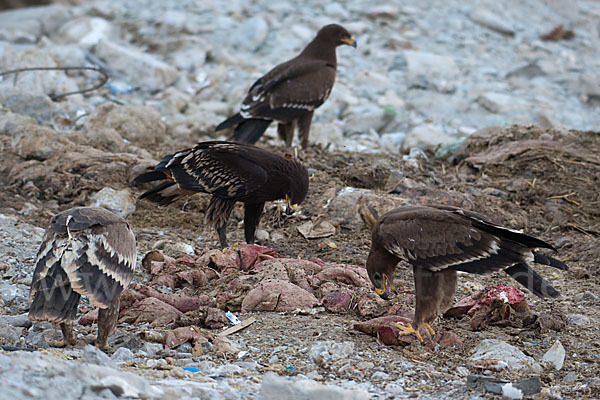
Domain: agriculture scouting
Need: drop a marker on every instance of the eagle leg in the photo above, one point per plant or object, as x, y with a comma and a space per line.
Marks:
304, 128
107, 321
286, 132
407, 330
252, 214
222, 231
68, 336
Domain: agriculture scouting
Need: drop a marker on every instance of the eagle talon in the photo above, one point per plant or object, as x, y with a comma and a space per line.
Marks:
430, 329
407, 330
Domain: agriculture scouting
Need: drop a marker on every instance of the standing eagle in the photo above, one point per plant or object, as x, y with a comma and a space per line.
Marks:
230, 172
85, 251
290, 92
440, 240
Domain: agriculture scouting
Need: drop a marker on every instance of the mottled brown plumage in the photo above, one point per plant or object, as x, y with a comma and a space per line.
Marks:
437, 241
86, 251
231, 172
290, 92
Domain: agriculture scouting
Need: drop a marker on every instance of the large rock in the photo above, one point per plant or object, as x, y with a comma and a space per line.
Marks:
32, 141
26, 25
431, 70
86, 31
140, 125
426, 137
141, 68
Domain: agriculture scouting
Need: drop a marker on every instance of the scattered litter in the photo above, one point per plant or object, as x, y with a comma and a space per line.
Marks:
192, 369
238, 327
415, 153
558, 33
232, 318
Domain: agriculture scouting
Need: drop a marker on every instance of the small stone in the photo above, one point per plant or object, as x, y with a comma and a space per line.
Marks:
492, 20
556, 355
122, 355
262, 236
151, 349
578, 319
365, 365
93, 355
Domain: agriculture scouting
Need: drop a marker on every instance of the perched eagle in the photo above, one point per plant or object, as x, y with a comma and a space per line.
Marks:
230, 172
440, 240
290, 92
86, 251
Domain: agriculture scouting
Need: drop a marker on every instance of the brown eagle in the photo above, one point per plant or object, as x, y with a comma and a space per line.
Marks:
230, 172
85, 251
440, 240
290, 92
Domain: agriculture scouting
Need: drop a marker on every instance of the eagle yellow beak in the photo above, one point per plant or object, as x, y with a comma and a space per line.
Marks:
289, 207
350, 41
388, 287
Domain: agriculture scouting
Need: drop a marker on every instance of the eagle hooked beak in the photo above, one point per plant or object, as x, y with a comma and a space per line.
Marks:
350, 41
289, 207
387, 284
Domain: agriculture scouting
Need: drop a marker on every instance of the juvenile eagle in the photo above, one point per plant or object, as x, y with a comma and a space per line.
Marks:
85, 251
230, 172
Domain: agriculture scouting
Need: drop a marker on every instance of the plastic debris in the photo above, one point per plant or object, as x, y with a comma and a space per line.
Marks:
556, 355
232, 318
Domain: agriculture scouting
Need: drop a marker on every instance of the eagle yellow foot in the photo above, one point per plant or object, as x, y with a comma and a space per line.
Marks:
407, 330
430, 329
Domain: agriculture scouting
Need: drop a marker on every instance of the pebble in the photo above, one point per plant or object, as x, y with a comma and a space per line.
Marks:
578, 319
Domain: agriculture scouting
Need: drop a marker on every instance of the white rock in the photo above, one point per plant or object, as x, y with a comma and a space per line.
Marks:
274, 387
262, 236
511, 392
499, 350
492, 20
141, 68
323, 352
86, 31
499, 102
556, 355
93, 355
122, 355
26, 25
118, 201
426, 137
250, 34
425, 69
181, 247
578, 319
392, 142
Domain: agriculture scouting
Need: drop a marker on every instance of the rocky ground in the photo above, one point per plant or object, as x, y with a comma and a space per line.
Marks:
424, 75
